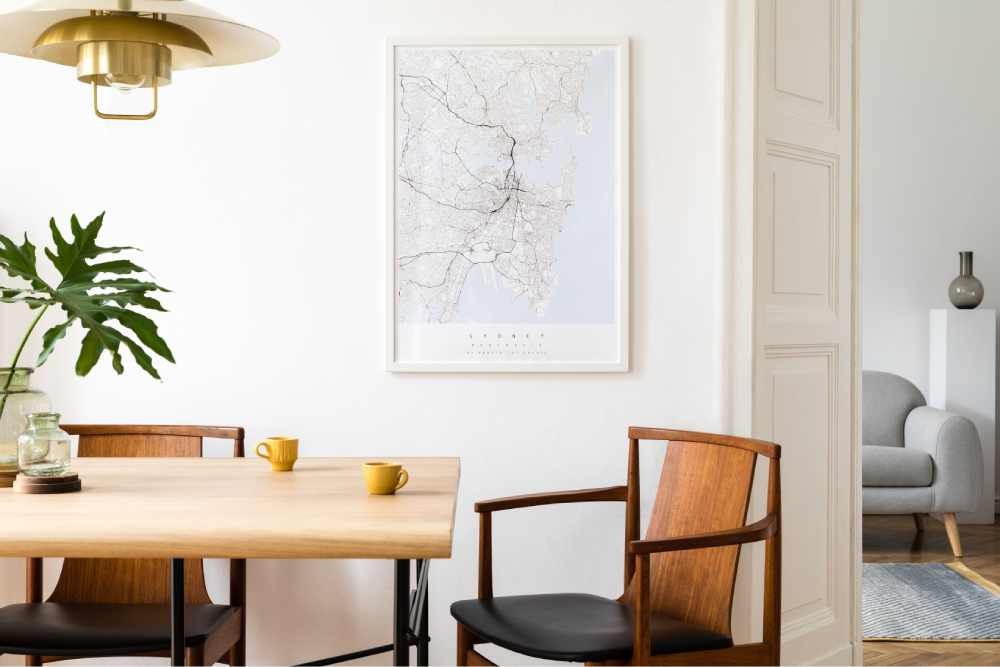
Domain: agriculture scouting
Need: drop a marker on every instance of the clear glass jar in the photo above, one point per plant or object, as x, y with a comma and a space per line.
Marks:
17, 401
43, 448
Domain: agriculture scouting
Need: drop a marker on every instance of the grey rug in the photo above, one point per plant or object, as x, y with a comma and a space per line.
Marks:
928, 602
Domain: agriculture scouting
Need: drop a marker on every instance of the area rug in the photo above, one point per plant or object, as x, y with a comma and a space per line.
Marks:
928, 602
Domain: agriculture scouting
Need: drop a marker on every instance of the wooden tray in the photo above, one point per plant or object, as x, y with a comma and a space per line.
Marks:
7, 478
65, 484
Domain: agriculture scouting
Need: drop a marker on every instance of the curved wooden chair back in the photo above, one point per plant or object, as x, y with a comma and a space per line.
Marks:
704, 487
138, 581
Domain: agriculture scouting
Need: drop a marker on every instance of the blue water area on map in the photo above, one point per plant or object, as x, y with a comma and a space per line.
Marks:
586, 249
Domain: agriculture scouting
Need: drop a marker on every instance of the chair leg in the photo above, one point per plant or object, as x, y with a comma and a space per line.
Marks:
951, 527
238, 653
465, 644
195, 655
918, 521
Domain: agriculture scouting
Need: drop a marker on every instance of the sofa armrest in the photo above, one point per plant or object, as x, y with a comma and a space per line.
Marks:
952, 441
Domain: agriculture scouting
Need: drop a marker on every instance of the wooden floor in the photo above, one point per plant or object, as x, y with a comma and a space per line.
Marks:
894, 540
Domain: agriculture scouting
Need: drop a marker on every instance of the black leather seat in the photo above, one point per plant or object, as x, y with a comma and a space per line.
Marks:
575, 627
100, 629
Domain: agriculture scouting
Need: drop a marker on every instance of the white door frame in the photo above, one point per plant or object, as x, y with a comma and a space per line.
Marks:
742, 309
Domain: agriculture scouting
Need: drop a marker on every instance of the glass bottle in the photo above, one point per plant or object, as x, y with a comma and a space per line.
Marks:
17, 401
965, 291
43, 448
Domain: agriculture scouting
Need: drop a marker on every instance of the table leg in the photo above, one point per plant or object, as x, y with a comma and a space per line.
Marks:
177, 611
400, 614
422, 629
409, 621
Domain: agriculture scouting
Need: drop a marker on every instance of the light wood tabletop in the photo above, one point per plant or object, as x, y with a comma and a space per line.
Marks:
234, 508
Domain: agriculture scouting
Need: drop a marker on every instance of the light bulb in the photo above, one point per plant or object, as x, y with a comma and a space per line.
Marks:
125, 83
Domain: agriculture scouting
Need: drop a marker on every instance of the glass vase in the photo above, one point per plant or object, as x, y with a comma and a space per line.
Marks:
43, 448
17, 401
965, 291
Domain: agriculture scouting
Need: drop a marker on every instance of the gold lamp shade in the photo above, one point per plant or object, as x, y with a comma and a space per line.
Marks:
129, 44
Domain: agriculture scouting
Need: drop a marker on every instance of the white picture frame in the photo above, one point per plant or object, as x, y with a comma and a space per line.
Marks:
614, 346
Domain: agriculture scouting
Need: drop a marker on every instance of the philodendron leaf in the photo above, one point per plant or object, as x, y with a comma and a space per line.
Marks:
19, 261
144, 328
71, 258
83, 296
53, 336
90, 353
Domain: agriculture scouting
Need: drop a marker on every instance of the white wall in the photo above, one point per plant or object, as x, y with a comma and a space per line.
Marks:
930, 99
258, 198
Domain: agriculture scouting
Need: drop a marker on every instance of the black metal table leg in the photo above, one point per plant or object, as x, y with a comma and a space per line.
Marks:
409, 621
400, 614
422, 628
177, 611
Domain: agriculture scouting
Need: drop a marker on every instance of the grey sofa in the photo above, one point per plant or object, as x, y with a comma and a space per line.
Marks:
915, 459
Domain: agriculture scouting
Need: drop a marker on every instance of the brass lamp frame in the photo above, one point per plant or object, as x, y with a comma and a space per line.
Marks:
129, 44
109, 42
118, 116
97, 59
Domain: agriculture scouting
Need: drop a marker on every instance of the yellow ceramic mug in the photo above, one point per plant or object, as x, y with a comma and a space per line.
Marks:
384, 479
282, 452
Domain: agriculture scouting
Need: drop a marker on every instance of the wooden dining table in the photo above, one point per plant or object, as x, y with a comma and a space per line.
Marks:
238, 508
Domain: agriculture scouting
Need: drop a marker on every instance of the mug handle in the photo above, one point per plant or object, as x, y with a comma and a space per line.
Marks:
267, 447
402, 479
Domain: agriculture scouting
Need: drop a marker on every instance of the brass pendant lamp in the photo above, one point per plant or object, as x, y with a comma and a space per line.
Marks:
129, 44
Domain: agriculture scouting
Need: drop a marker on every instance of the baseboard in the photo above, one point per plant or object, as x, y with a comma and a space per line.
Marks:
840, 656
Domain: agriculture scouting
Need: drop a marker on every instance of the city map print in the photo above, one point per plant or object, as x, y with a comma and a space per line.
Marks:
507, 226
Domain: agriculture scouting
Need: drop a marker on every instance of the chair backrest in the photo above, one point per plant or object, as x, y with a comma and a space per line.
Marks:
137, 581
704, 487
886, 401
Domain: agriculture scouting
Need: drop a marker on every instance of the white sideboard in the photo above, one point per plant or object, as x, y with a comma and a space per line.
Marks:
963, 379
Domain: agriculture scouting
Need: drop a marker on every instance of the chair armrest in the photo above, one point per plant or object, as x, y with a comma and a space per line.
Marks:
642, 550
755, 532
952, 441
611, 493
485, 509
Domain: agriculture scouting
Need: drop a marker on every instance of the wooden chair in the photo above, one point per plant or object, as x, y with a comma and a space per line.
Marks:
119, 607
677, 602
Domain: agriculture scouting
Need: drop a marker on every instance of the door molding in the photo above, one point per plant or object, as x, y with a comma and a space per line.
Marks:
836, 627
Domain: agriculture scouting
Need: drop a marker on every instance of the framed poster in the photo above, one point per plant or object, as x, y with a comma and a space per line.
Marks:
508, 206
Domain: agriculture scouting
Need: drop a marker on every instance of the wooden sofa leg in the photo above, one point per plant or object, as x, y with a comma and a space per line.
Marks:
32, 660
918, 521
951, 527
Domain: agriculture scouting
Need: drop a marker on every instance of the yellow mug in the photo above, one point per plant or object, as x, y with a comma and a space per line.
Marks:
282, 452
383, 478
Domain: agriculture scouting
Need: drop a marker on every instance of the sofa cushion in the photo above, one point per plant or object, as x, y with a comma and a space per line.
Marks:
886, 402
897, 500
895, 466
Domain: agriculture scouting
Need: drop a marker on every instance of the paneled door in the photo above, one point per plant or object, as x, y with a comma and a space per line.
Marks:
803, 396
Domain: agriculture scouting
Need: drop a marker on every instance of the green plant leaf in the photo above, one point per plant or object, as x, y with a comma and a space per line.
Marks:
71, 258
97, 303
145, 330
90, 353
53, 336
19, 261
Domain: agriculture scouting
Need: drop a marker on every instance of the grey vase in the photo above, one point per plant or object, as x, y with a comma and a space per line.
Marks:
965, 291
